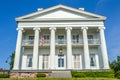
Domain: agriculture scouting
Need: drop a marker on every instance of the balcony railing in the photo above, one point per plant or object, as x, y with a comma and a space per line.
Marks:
93, 41
77, 42
60, 41
45, 42
28, 42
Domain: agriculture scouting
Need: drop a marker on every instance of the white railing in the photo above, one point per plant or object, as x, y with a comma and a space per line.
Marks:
45, 42
28, 42
80, 41
60, 41
93, 41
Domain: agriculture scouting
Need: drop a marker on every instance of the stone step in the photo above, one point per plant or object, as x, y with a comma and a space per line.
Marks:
61, 74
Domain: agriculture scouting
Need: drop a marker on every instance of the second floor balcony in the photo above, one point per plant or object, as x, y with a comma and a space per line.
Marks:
77, 42
60, 42
93, 41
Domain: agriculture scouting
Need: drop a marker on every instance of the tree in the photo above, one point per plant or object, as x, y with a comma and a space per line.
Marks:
11, 63
115, 65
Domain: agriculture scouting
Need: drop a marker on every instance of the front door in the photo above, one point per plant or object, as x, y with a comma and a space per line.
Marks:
61, 62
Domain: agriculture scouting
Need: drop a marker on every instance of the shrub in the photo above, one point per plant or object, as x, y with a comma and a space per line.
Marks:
78, 75
4, 76
117, 74
41, 75
106, 74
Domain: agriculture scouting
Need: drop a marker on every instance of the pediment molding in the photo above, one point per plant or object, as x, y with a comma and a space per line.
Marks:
45, 13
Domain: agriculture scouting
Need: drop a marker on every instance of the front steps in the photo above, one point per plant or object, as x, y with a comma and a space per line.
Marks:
61, 74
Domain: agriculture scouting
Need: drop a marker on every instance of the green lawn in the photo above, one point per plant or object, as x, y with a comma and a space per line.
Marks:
60, 79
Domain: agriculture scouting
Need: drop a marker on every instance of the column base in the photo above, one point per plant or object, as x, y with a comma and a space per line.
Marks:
106, 67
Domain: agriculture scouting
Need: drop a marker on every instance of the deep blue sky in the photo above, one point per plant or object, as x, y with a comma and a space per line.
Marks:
10, 9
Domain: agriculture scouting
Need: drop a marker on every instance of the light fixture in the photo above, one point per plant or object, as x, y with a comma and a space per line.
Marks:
60, 51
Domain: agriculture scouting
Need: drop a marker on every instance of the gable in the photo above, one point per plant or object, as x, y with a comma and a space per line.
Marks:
60, 12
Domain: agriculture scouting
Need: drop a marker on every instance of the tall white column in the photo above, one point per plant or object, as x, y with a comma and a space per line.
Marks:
18, 49
69, 48
52, 48
86, 48
103, 48
36, 49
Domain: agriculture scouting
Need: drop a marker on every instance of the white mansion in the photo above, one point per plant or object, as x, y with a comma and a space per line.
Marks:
61, 38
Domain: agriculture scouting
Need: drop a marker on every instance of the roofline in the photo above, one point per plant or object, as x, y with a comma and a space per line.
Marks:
62, 19
60, 6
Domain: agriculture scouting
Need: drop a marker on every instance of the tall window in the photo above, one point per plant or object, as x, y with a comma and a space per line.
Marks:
31, 40
90, 36
75, 38
29, 61
90, 39
46, 38
92, 60
60, 39
76, 61
45, 61
31, 37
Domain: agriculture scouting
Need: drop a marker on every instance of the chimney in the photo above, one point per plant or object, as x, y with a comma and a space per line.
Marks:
81, 9
40, 9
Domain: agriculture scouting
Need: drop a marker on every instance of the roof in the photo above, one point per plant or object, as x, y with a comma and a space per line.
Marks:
73, 11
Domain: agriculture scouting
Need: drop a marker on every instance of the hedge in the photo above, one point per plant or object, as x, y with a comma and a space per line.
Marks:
105, 74
117, 74
4, 75
41, 75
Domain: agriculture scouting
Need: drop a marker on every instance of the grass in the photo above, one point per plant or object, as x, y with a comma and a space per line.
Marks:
59, 79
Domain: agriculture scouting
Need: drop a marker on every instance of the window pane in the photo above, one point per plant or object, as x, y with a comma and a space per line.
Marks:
29, 61
92, 60
90, 36
31, 37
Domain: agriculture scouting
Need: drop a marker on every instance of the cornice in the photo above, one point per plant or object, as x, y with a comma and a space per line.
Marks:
62, 19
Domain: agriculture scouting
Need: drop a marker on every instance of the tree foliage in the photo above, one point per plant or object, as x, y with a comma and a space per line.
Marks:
11, 63
115, 65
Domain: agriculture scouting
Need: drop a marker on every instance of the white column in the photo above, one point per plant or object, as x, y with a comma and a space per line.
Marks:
52, 48
86, 48
69, 48
103, 48
36, 49
18, 49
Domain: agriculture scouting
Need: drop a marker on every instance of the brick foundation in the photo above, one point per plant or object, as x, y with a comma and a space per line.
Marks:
23, 75
26, 74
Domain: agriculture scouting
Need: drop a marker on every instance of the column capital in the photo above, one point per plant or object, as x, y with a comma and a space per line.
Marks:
20, 28
101, 27
36, 29
52, 28
68, 28
84, 27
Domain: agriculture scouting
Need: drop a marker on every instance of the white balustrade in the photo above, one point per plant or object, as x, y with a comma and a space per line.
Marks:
93, 41
75, 42
60, 41
28, 42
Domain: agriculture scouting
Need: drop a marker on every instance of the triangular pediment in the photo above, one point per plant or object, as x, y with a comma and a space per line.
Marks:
60, 12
